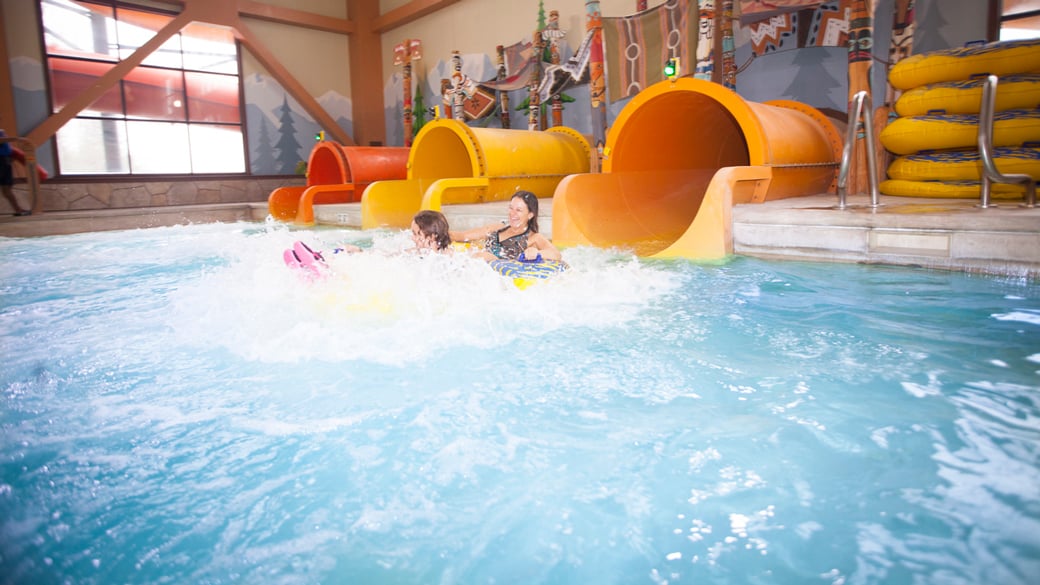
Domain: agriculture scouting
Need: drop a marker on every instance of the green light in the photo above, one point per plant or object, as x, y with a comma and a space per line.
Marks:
671, 68
319, 135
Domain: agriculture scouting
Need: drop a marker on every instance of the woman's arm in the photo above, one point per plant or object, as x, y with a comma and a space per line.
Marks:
539, 244
473, 234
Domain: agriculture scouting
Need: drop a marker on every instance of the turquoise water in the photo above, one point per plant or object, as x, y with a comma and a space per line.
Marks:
178, 407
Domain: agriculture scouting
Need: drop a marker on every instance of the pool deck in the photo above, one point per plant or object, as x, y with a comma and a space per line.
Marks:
948, 234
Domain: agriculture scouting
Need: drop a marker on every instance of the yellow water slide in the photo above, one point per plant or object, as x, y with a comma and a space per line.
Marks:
677, 158
451, 162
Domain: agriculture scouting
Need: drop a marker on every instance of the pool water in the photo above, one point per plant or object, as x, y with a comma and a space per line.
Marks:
179, 407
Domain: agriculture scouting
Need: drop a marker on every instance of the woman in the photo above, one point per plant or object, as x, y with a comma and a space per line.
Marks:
519, 239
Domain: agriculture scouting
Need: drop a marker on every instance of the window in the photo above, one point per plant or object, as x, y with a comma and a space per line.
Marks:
177, 113
1020, 19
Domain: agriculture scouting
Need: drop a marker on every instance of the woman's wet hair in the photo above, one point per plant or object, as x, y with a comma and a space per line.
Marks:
531, 201
434, 224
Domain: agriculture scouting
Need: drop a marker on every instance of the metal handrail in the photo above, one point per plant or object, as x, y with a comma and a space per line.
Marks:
990, 173
31, 176
858, 111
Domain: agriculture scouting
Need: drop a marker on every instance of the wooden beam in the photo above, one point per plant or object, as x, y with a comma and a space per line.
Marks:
7, 112
286, 79
295, 17
402, 15
49, 127
366, 74
282, 15
993, 21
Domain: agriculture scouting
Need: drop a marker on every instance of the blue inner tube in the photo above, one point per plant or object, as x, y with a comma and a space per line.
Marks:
528, 270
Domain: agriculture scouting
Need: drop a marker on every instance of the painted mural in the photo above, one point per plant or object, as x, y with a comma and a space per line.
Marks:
797, 50
280, 133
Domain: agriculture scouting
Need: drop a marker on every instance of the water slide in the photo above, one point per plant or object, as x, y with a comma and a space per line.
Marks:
452, 163
336, 174
679, 156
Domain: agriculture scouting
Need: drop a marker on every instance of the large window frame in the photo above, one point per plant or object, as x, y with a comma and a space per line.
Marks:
178, 113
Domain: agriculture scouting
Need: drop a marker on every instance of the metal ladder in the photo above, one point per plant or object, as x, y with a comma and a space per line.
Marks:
858, 111
990, 174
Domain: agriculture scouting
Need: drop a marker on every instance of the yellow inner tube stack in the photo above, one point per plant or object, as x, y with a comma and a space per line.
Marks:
936, 133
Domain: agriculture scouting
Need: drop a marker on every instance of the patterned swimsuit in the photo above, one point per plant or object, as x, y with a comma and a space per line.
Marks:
510, 248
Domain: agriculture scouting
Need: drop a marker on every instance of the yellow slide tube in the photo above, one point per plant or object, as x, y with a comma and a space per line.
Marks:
461, 164
661, 162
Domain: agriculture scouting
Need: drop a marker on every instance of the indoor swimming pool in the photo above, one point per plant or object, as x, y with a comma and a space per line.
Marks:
179, 407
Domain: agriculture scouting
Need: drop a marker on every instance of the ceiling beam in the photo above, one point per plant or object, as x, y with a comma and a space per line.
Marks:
282, 15
402, 15
295, 17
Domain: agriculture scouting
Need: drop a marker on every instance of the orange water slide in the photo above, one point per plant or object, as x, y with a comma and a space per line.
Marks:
337, 174
679, 156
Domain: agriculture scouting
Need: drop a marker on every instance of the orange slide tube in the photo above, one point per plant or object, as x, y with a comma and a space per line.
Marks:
663, 167
337, 174
451, 163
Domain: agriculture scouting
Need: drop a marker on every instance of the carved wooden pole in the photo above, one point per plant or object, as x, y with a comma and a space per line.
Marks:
446, 97
503, 96
597, 84
534, 118
458, 91
860, 15
729, 65
553, 34
404, 53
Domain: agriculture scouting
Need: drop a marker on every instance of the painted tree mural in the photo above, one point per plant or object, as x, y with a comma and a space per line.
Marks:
264, 163
928, 36
418, 111
288, 148
812, 83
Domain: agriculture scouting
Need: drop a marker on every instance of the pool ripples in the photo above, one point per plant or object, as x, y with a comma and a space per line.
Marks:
217, 420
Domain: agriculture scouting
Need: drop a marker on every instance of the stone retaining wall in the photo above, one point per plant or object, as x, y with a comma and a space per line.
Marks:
80, 196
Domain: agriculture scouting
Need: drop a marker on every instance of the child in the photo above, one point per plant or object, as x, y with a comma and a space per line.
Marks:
430, 233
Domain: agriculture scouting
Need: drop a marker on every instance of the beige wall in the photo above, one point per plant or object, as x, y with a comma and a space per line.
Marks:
318, 60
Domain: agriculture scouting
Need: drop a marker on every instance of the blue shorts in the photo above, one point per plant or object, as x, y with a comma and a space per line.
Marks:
6, 174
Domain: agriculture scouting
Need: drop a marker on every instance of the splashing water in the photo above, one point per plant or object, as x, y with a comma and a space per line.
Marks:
178, 406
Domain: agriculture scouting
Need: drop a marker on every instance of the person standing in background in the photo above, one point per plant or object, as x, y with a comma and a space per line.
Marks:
7, 176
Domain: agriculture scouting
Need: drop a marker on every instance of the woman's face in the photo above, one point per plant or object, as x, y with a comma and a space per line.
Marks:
519, 214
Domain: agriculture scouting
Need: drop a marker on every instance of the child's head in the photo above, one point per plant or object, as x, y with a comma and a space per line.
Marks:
430, 231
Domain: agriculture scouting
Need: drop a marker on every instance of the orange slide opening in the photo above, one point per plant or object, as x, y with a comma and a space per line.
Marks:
663, 158
337, 174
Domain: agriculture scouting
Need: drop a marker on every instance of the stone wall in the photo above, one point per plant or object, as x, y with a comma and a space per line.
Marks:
100, 195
